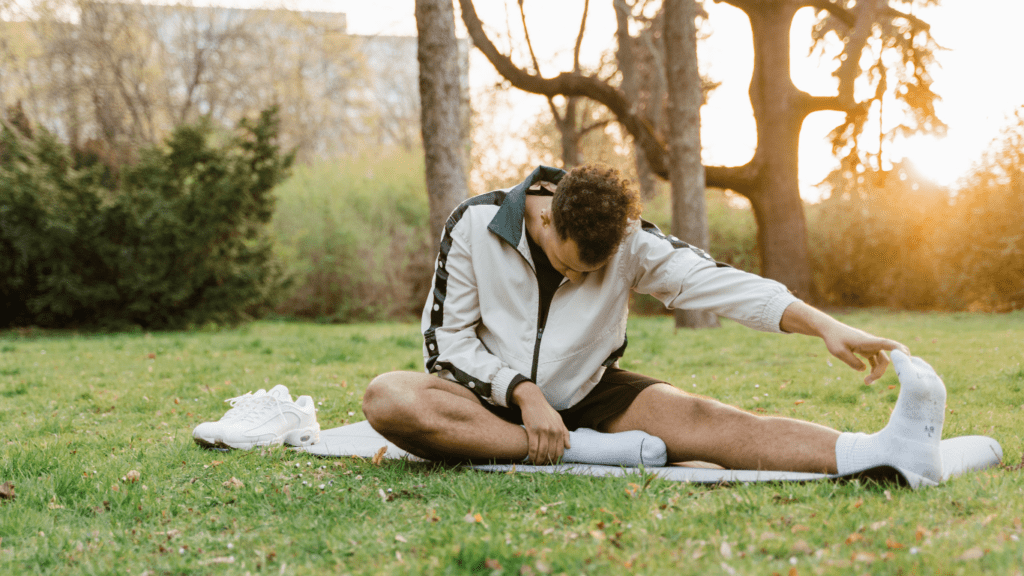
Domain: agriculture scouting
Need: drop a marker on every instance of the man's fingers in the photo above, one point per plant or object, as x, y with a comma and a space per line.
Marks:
532, 451
846, 355
879, 363
890, 345
546, 446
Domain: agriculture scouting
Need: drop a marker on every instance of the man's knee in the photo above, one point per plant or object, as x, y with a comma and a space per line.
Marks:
384, 399
381, 398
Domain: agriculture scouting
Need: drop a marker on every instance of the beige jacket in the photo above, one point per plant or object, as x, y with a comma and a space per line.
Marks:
480, 323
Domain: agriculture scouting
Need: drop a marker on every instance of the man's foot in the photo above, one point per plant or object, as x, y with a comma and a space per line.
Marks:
632, 448
910, 442
262, 419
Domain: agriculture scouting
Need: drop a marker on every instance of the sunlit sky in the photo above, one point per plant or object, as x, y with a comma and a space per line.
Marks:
979, 80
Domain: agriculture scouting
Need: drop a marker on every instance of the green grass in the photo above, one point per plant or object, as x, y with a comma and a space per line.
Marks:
78, 413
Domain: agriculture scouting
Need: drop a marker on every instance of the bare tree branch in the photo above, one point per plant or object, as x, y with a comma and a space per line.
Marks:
536, 65
569, 84
740, 179
849, 68
841, 13
579, 37
529, 42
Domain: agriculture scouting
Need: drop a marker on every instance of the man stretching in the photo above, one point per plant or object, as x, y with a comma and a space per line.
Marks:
526, 322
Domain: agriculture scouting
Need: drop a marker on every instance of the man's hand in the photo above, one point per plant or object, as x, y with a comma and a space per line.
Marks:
547, 434
843, 341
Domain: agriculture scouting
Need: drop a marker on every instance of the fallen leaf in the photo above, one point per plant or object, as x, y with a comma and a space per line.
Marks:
855, 537
875, 526
379, 456
892, 544
597, 534
132, 476
400, 538
492, 564
799, 528
725, 550
478, 518
971, 554
798, 402
216, 463
864, 557
7, 491
218, 560
858, 503
801, 547
53, 504
233, 483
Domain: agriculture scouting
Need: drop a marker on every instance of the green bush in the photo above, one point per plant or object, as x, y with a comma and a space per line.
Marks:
181, 241
354, 234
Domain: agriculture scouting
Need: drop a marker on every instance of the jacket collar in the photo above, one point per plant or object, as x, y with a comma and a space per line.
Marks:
508, 222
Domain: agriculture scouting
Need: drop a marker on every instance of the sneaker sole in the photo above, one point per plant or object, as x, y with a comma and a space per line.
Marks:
298, 437
303, 436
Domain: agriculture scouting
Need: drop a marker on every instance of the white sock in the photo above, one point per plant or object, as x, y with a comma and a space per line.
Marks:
632, 448
910, 441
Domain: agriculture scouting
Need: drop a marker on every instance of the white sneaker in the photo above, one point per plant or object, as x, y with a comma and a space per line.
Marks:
262, 419
209, 434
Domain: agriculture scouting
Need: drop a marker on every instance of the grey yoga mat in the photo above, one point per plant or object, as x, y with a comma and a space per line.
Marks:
959, 455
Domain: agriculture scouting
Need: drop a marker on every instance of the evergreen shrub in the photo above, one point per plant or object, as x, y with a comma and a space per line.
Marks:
179, 240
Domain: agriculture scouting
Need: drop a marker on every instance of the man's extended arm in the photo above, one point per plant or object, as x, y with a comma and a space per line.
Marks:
843, 341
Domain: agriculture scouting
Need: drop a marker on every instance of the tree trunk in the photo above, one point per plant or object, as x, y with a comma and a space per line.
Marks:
779, 113
441, 118
625, 54
570, 134
686, 173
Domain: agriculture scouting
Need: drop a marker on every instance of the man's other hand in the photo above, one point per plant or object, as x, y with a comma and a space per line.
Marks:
547, 434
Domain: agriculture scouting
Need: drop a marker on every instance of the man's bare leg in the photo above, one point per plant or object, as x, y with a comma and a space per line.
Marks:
698, 428
439, 420
420, 413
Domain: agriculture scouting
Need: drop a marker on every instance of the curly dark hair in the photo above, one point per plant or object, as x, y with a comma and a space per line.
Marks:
593, 205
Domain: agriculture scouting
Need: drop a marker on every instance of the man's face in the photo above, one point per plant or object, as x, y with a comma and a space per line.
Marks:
565, 256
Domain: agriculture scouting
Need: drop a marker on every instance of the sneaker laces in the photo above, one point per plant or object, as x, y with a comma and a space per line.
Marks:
239, 405
257, 409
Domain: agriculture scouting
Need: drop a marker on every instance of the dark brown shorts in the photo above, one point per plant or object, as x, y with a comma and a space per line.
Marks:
612, 395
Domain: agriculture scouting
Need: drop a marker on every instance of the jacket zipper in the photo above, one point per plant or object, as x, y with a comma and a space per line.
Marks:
540, 329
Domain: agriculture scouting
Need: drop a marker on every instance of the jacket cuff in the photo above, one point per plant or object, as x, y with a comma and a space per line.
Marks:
773, 311
503, 384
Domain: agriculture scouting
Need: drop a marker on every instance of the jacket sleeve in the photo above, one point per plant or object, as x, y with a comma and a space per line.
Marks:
452, 349
682, 276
